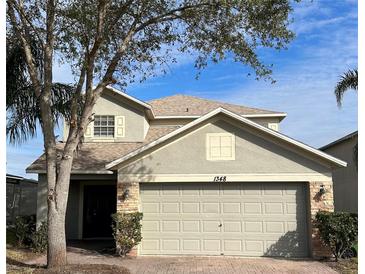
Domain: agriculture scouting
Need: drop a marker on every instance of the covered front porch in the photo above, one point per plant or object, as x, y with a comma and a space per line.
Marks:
92, 199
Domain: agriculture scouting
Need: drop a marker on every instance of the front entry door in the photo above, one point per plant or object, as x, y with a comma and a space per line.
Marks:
99, 203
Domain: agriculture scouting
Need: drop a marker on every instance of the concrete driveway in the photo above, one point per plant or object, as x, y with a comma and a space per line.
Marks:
197, 265
222, 265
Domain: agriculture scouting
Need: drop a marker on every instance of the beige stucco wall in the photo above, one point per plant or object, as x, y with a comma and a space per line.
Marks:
42, 199
264, 121
345, 180
136, 125
187, 155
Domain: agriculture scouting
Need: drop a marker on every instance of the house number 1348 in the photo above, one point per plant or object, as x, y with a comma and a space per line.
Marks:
219, 179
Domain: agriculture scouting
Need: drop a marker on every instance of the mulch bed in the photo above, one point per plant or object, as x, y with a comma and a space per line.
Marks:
85, 268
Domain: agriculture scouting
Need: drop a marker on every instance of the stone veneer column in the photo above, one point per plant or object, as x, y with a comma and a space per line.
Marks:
129, 204
319, 203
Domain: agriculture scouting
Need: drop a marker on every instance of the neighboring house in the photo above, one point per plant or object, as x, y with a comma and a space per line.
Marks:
21, 197
345, 180
211, 178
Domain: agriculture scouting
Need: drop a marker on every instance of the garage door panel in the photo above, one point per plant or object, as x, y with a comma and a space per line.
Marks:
191, 245
252, 208
273, 208
252, 227
210, 207
232, 226
170, 207
191, 226
248, 219
171, 226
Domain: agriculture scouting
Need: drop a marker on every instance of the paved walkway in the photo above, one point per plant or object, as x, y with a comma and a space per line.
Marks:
197, 265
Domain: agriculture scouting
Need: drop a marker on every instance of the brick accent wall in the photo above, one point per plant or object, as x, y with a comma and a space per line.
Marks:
319, 202
131, 203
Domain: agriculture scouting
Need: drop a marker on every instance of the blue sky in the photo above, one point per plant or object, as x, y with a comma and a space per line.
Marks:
306, 73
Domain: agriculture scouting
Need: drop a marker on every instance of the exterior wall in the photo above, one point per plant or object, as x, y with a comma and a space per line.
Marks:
319, 203
345, 180
264, 121
136, 124
254, 155
42, 199
21, 199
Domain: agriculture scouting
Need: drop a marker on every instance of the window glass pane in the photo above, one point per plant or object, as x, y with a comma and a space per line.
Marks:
110, 122
110, 131
104, 126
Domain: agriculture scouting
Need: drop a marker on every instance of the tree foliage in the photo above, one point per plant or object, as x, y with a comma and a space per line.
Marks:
349, 80
22, 105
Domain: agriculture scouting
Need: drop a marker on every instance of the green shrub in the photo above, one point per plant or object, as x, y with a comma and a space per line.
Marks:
24, 226
126, 231
338, 230
40, 238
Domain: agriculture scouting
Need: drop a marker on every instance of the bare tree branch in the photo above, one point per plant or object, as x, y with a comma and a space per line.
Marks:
27, 49
26, 21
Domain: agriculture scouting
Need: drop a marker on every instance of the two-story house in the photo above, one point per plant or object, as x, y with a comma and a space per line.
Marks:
211, 178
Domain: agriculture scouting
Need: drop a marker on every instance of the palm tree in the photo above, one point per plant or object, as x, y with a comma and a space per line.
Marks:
348, 81
22, 107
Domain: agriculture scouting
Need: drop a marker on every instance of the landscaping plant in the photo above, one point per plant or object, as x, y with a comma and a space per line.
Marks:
39, 238
127, 231
24, 227
338, 230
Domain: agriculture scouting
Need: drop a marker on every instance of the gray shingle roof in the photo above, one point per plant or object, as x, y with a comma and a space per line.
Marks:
94, 156
185, 105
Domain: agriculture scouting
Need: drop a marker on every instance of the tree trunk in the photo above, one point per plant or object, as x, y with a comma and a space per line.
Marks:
57, 206
56, 255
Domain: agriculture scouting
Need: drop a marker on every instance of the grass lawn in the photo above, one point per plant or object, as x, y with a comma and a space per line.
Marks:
16, 257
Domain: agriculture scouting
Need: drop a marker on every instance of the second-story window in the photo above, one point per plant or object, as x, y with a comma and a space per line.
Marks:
103, 126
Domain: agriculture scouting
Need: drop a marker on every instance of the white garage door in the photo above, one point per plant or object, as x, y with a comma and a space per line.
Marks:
247, 219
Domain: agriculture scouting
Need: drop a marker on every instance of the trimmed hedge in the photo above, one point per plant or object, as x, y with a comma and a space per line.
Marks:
127, 231
338, 230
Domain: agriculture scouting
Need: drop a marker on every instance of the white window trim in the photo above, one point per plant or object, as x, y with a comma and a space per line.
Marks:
273, 126
207, 148
116, 135
101, 138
